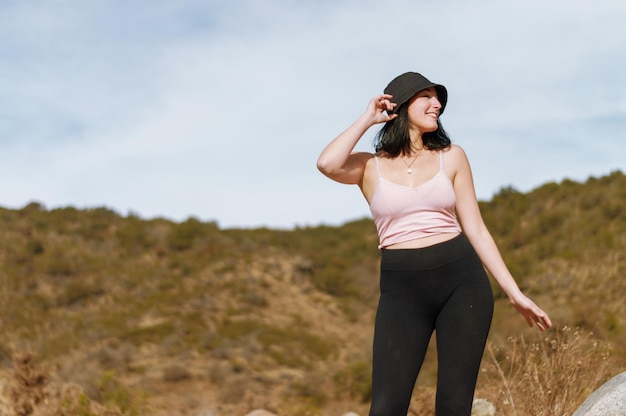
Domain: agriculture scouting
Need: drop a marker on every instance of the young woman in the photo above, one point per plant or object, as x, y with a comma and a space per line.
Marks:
434, 247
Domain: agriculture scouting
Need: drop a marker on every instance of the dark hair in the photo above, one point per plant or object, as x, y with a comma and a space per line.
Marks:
394, 137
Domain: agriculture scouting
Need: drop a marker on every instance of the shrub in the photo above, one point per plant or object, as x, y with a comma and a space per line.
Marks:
182, 236
547, 377
31, 393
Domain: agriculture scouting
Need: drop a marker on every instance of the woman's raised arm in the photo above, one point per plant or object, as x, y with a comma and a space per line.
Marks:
337, 160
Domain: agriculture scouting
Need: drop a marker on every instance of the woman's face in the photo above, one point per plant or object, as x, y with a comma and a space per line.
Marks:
423, 110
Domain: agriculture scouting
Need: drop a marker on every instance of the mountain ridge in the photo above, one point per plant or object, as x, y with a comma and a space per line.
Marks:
192, 317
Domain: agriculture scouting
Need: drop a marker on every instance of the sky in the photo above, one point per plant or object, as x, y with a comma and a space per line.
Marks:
218, 109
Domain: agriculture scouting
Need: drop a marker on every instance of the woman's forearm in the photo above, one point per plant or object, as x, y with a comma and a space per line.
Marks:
487, 250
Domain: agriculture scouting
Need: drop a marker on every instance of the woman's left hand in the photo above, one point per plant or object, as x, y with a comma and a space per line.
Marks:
531, 312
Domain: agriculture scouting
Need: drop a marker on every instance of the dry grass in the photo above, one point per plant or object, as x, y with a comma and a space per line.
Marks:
30, 392
550, 376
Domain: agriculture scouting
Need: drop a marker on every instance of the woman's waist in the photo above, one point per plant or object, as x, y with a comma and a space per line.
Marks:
454, 247
423, 242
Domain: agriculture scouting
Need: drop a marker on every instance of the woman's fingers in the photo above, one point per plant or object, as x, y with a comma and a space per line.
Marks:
533, 314
542, 321
385, 102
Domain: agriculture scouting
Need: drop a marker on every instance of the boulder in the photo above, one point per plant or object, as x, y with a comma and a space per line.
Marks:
260, 412
482, 407
608, 400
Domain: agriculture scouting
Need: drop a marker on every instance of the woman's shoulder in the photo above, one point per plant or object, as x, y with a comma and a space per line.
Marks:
456, 158
454, 149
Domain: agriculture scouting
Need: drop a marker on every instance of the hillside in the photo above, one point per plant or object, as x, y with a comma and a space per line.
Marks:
164, 318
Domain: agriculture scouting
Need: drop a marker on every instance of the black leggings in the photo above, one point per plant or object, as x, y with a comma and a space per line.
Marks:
441, 288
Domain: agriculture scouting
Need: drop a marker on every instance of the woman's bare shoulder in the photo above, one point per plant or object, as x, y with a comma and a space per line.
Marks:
455, 149
456, 160
456, 152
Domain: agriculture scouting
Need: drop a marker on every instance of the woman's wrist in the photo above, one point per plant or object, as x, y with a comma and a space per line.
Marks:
514, 295
366, 120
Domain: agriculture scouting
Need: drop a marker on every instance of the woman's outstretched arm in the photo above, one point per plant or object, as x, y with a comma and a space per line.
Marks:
474, 227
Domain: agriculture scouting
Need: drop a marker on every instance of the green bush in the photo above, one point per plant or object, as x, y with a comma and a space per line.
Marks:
183, 236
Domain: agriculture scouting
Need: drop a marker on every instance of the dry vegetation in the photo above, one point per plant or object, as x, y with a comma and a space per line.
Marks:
547, 376
125, 316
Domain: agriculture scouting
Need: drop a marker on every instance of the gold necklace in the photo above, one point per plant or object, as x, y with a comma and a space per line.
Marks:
408, 166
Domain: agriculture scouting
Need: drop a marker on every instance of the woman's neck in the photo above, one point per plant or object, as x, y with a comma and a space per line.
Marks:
416, 139
417, 145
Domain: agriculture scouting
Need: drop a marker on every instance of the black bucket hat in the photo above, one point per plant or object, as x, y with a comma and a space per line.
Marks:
405, 86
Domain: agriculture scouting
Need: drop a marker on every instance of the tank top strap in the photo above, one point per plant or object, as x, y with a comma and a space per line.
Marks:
377, 165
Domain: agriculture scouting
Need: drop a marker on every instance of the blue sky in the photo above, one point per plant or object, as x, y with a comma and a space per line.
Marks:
218, 109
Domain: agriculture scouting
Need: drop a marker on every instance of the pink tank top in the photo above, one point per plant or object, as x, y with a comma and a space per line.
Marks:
402, 213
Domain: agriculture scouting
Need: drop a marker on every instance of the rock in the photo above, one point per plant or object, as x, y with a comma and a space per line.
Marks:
260, 412
608, 400
482, 407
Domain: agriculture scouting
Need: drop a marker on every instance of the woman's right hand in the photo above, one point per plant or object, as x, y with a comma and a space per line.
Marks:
379, 109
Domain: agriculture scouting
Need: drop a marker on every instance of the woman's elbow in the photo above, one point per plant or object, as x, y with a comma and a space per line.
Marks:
320, 164
324, 166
